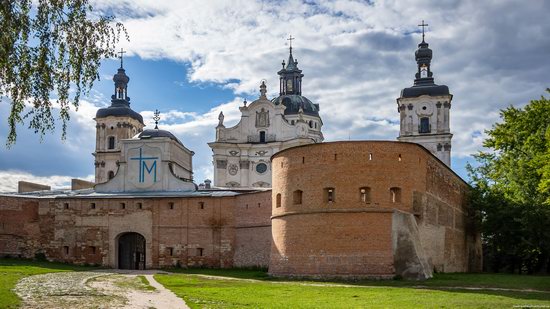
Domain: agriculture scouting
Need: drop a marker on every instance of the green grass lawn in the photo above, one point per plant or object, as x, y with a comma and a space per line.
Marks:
201, 292
12, 270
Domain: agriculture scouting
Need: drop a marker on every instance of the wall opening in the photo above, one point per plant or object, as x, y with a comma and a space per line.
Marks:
201, 205
424, 125
111, 142
131, 251
297, 197
278, 200
364, 194
395, 195
111, 175
262, 136
171, 205
329, 195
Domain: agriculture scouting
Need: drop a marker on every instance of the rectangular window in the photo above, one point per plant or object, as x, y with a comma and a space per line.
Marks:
297, 197
139, 205
122, 205
171, 205
364, 194
330, 195
424, 125
201, 205
66, 205
200, 251
111, 142
170, 251
92, 205
278, 204
66, 250
93, 249
395, 195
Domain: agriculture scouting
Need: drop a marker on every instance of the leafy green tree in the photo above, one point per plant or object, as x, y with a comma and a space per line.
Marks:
512, 189
50, 48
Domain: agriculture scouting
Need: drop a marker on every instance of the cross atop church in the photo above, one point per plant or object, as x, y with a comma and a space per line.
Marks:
156, 118
423, 25
121, 52
290, 38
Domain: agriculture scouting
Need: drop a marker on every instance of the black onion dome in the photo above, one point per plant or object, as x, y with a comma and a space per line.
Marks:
119, 109
293, 103
155, 133
424, 85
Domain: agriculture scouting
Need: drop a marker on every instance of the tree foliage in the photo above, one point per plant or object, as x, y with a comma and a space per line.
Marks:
50, 48
512, 189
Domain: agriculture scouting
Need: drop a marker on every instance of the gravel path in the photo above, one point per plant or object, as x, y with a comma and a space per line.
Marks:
98, 289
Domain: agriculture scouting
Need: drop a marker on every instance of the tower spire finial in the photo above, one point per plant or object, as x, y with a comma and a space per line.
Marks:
290, 38
156, 118
423, 25
121, 52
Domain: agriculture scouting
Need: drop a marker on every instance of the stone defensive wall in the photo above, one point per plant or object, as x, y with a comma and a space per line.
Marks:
202, 229
368, 209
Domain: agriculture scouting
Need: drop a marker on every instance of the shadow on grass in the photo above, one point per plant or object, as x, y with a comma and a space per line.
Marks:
17, 262
472, 283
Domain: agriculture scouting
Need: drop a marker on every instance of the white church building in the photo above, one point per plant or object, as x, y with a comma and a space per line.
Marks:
241, 154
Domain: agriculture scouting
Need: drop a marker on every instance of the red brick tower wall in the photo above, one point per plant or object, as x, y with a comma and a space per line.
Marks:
348, 237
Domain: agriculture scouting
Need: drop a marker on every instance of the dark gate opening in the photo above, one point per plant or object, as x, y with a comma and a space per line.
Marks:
131, 251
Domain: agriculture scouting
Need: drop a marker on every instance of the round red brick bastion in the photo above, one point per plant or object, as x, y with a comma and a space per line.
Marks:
372, 209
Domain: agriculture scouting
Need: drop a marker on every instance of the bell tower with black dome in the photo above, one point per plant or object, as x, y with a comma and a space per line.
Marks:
425, 107
114, 123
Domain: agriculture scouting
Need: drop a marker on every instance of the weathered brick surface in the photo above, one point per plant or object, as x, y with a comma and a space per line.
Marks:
253, 229
351, 237
90, 227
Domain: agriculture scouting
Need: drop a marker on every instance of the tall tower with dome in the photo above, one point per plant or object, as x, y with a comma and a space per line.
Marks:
425, 107
113, 124
241, 154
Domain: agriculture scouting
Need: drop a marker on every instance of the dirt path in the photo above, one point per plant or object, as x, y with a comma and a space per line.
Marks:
99, 289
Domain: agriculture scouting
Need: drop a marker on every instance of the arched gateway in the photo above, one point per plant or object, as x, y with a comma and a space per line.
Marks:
131, 251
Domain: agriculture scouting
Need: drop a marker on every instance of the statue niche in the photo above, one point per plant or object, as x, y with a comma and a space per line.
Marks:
262, 118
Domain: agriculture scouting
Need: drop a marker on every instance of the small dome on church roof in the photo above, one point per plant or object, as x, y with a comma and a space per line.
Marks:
155, 133
119, 109
431, 90
293, 103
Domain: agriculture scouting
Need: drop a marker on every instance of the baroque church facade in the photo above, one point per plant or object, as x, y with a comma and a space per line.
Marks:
378, 209
241, 154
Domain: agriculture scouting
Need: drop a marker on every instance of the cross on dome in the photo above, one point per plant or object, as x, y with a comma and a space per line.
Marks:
121, 53
423, 25
156, 118
290, 38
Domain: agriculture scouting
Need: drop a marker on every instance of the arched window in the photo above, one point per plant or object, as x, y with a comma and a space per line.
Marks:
297, 197
424, 125
395, 195
262, 136
330, 195
111, 174
278, 200
311, 124
364, 194
111, 142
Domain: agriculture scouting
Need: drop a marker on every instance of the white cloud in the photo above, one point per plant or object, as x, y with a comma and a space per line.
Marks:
356, 56
10, 178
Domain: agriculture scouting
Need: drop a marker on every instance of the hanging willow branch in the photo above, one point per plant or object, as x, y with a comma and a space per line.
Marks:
50, 49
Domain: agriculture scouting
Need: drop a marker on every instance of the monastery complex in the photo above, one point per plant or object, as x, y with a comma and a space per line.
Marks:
281, 198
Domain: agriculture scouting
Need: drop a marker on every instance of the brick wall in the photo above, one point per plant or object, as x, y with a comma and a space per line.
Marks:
253, 229
303, 246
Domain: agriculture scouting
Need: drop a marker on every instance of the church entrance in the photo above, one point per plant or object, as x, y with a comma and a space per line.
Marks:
131, 251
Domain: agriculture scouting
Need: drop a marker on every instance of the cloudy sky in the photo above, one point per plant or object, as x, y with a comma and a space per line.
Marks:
193, 59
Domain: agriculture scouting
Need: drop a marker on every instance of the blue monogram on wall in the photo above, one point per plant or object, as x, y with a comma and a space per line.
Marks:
145, 165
